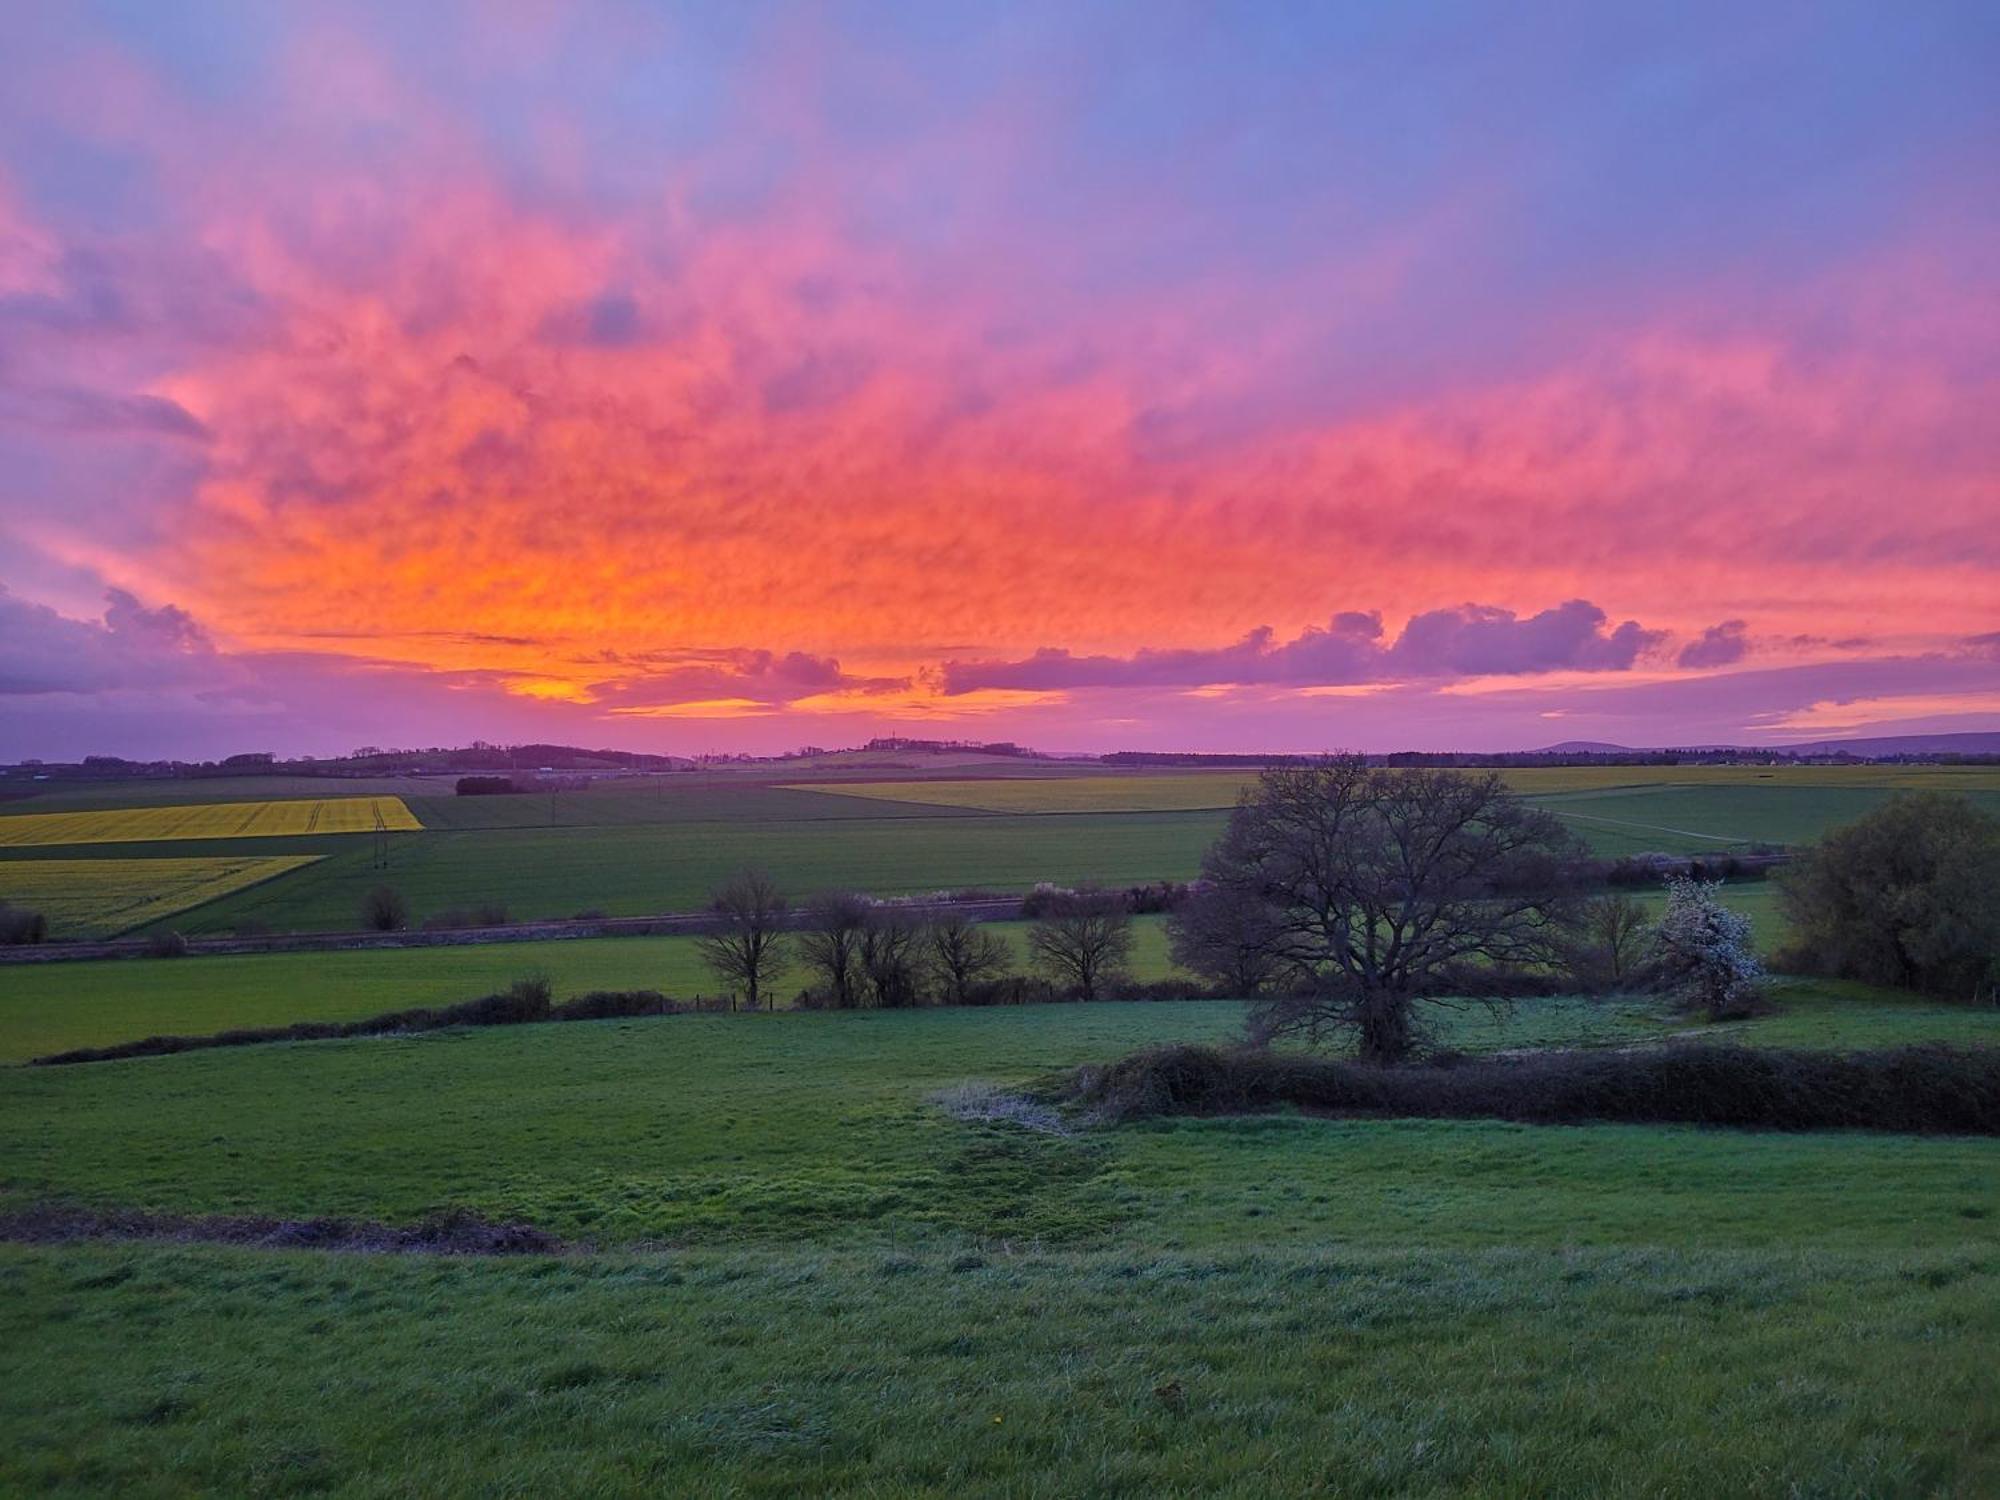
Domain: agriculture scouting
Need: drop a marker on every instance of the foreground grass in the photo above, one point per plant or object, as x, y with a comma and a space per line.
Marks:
787, 1128
149, 1371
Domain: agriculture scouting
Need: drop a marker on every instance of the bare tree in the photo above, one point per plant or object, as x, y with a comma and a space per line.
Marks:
1083, 941
962, 954
1611, 939
746, 948
1377, 884
1227, 935
830, 945
889, 957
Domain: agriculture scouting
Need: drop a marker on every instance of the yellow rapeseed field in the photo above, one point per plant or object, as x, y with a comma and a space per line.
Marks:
205, 820
97, 898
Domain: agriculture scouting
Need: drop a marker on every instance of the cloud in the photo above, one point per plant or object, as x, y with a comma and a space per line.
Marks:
827, 336
42, 651
1471, 640
742, 678
1718, 646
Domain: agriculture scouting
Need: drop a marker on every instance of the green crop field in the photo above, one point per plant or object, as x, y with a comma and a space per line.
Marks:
637, 869
92, 1003
90, 898
812, 1278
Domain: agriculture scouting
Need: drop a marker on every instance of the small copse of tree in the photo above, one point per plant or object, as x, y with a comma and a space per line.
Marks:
829, 946
1907, 896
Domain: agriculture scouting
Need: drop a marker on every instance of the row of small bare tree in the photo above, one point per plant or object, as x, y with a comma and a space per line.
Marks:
856, 951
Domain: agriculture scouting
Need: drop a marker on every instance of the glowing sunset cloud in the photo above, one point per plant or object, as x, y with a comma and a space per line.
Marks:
730, 377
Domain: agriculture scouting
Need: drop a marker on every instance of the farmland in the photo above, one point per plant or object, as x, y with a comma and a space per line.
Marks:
1188, 1307
54, 1007
630, 849
795, 1269
88, 898
206, 820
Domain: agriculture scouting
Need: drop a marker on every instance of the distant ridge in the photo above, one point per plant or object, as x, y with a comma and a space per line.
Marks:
1973, 743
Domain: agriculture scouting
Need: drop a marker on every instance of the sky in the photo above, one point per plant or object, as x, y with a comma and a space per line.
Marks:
732, 377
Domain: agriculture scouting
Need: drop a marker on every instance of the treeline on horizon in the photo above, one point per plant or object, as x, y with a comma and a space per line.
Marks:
480, 757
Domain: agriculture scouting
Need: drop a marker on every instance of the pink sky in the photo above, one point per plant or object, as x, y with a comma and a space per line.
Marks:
748, 378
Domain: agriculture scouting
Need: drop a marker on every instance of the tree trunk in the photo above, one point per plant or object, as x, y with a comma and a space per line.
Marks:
1385, 1027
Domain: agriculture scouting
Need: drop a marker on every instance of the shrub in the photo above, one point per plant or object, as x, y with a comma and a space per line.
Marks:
606, 1005
166, 945
1921, 1090
384, 910
1160, 896
1705, 951
20, 926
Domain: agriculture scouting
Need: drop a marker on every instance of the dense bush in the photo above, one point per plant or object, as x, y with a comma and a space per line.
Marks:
19, 926
1160, 896
1908, 896
166, 945
1924, 1090
606, 1005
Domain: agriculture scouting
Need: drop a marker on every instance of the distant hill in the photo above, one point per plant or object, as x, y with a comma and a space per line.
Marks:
1976, 743
1867, 748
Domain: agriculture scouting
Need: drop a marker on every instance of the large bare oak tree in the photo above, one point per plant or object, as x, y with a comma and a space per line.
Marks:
1371, 887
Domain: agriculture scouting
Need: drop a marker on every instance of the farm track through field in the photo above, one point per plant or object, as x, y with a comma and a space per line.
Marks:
1685, 833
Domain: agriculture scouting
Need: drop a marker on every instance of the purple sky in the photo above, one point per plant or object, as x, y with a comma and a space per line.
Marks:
731, 377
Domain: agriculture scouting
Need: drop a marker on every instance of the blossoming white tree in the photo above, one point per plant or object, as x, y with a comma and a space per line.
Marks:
1706, 950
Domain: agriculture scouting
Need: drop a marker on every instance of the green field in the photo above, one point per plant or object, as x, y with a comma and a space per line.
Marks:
90, 898
838, 1286
54, 1007
715, 1128
92, 1003
632, 849
633, 870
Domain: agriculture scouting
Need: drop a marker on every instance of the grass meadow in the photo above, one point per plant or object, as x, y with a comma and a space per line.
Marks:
809, 1278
